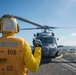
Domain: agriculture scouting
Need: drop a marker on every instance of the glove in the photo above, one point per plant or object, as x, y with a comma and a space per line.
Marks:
37, 43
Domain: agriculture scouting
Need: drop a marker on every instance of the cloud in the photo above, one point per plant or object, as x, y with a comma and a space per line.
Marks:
66, 7
70, 3
73, 34
62, 38
67, 40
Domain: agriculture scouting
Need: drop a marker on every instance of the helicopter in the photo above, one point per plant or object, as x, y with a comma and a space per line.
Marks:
49, 44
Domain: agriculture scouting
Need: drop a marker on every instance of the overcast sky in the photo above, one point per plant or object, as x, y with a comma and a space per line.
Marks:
59, 13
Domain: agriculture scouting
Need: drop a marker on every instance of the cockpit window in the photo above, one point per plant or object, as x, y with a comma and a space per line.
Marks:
49, 40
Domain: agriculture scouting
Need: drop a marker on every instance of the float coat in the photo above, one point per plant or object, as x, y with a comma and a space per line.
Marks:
16, 56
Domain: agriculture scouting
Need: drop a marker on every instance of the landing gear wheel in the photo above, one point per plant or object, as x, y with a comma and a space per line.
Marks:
57, 54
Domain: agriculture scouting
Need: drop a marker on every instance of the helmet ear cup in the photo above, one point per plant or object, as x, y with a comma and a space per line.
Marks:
0, 26
17, 28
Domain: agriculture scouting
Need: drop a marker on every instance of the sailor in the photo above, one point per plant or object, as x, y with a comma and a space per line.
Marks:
16, 56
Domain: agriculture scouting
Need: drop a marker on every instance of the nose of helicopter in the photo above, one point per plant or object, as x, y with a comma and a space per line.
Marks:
45, 51
49, 51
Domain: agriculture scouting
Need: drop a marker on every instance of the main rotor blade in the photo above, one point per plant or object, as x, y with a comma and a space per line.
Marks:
39, 26
28, 28
61, 27
28, 21
49, 28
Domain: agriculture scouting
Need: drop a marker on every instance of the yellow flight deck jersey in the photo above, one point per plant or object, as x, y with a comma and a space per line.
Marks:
16, 55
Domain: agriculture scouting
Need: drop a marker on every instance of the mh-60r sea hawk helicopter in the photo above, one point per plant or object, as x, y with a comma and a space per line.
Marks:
49, 44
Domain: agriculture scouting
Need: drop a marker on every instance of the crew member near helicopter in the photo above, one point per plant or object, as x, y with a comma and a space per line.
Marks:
16, 57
